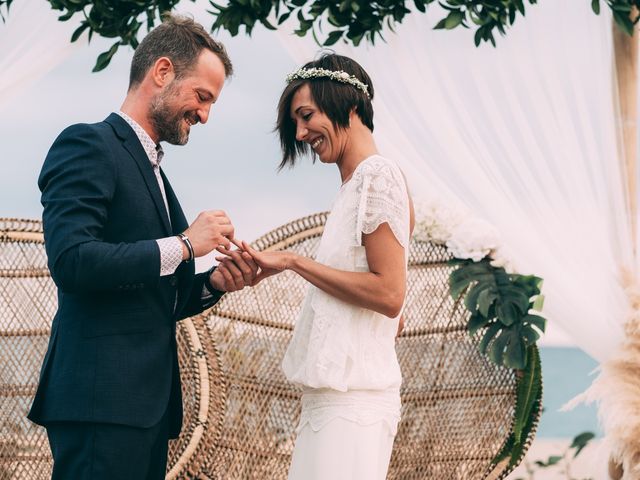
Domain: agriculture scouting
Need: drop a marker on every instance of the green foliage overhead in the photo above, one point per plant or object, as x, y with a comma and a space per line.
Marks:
328, 21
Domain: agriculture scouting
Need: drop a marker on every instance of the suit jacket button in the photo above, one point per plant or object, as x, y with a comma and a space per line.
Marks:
173, 281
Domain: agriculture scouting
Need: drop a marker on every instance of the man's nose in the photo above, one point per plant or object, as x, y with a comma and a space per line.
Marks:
203, 114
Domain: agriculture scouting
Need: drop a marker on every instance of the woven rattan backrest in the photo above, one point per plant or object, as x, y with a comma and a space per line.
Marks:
240, 413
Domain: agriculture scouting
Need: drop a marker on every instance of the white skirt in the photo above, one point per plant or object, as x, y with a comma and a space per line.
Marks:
342, 450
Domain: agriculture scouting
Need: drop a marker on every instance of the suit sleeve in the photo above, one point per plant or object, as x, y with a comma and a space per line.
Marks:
198, 302
78, 182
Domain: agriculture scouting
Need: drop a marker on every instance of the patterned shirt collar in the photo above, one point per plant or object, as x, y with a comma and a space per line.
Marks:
154, 152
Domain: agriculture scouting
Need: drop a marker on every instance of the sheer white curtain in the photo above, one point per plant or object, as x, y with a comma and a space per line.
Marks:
33, 42
524, 136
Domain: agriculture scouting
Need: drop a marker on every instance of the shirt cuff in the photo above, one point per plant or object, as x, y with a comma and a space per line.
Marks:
170, 255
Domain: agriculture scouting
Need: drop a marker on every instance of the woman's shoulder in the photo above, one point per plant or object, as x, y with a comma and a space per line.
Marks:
379, 166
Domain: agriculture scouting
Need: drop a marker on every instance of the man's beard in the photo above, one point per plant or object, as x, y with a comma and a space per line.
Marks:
167, 121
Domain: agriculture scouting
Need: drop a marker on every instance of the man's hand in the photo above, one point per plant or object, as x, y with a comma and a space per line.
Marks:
210, 230
234, 272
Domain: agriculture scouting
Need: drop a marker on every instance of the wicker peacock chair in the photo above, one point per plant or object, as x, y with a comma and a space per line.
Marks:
240, 413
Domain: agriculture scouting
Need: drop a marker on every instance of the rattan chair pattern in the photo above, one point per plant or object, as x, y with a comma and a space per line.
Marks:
240, 413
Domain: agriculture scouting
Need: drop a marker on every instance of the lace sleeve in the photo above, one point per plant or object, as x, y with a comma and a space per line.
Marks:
383, 199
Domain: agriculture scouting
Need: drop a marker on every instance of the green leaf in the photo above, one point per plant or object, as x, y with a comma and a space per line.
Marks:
477, 38
595, 6
505, 451
529, 334
454, 19
476, 322
486, 299
581, 441
538, 303
441, 24
79, 30
491, 332
514, 449
420, 5
66, 16
496, 352
621, 7
528, 388
515, 355
105, 57
507, 313
333, 38
466, 273
267, 24
552, 460
518, 450
513, 294
472, 297
537, 321
356, 39
283, 18
491, 39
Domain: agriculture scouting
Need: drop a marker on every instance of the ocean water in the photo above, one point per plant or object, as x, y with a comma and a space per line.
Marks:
566, 372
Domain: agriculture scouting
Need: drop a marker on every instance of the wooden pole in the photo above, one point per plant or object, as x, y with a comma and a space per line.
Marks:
626, 68
625, 49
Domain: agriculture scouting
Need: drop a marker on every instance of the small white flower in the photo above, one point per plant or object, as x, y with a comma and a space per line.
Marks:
435, 222
474, 239
501, 257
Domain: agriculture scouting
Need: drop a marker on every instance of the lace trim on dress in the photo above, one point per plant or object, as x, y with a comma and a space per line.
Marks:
321, 406
383, 199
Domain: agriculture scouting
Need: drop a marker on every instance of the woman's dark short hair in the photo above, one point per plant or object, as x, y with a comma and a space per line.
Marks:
180, 39
335, 99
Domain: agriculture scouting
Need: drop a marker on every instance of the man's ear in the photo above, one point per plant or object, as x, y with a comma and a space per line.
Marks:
162, 72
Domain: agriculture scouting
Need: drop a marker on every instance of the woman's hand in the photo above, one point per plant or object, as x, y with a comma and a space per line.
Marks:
270, 263
234, 272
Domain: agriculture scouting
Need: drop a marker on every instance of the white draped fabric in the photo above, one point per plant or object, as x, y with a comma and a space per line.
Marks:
33, 43
522, 135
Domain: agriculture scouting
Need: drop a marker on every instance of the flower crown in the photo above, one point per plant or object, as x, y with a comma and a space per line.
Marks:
336, 75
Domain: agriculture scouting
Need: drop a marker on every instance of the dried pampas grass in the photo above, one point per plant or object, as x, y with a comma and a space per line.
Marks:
617, 390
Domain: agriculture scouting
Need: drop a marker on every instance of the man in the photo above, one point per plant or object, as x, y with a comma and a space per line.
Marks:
121, 254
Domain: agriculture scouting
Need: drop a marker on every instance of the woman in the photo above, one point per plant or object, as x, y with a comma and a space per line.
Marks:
342, 351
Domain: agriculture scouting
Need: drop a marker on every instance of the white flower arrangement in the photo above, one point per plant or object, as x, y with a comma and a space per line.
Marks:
465, 236
336, 75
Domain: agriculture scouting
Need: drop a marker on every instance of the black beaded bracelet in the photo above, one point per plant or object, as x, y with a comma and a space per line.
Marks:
187, 242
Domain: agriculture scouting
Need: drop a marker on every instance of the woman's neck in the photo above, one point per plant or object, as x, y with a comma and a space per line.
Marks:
360, 146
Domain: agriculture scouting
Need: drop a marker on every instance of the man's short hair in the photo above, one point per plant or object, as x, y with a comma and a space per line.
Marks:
180, 39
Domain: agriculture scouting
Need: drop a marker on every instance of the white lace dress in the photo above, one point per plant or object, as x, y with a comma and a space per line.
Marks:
342, 355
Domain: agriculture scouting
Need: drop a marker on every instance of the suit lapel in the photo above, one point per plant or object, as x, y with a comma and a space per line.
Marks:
132, 144
178, 220
179, 224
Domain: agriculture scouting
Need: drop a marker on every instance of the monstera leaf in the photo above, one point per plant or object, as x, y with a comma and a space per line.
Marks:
501, 307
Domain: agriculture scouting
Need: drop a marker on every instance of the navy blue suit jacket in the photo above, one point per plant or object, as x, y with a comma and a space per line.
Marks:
112, 354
